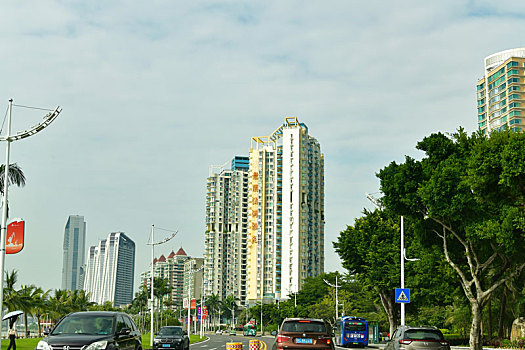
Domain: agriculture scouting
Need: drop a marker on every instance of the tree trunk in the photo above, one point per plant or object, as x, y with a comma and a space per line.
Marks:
389, 306
25, 325
489, 326
502, 310
476, 341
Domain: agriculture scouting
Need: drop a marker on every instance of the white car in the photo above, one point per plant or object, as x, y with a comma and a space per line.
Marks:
219, 332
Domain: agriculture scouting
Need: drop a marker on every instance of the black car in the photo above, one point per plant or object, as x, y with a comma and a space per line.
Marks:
171, 337
93, 330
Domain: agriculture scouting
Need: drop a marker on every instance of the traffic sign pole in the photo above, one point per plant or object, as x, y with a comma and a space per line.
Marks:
402, 271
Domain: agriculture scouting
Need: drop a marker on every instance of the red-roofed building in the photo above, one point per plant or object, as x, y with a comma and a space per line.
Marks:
181, 252
171, 269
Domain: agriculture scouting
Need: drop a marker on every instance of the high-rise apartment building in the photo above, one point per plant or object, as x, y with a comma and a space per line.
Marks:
172, 270
226, 228
285, 212
501, 94
193, 278
110, 270
74, 248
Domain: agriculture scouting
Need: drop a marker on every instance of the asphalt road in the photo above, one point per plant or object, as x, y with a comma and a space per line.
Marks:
218, 342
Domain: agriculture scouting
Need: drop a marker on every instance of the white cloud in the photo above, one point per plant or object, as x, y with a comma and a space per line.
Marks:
155, 92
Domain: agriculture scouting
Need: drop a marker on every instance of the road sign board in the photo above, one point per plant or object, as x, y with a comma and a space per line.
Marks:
402, 295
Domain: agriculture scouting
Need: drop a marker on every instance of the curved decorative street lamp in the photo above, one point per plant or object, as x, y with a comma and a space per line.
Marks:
48, 119
153, 244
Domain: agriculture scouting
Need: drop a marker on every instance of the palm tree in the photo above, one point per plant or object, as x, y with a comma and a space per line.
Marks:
12, 299
40, 306
161, 288
16, 177
230, 304
58, 304
214, 304
79, 300
28, 294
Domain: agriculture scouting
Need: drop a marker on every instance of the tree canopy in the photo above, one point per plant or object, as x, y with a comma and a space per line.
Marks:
467, 194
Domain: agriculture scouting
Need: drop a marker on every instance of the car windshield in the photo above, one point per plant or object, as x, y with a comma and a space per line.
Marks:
170, 331
304, 327
423, 334
355, 326
84, 324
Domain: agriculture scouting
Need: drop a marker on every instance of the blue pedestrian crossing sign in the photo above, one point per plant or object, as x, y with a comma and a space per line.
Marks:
402, 295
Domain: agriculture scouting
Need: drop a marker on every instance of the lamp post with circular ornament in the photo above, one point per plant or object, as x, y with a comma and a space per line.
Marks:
152, 243
8, 138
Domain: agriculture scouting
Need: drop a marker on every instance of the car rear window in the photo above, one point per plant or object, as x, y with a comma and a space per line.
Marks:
170, 331
423, 334
304, 327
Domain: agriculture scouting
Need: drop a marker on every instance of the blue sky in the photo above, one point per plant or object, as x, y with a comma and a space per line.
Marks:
153, 93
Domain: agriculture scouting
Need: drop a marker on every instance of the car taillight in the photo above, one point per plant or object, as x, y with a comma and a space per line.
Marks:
405, 341
282, 338
326, 341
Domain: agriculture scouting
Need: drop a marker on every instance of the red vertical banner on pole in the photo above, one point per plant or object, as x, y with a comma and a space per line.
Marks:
15, 237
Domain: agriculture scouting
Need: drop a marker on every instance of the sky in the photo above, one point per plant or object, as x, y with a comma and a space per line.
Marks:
154, 92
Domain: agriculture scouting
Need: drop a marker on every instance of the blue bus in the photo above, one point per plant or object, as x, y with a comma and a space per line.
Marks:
352, 330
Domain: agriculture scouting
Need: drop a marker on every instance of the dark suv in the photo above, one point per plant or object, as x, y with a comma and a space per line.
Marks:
93, 330
304, 334
415, 338
171, 337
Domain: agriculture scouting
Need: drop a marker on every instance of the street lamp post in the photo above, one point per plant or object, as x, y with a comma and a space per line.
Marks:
403, 254
336, 286
48, 119
153, 244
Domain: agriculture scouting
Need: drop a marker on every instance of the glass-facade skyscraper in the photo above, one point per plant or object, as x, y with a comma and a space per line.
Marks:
501, 103
110, 270
74, 248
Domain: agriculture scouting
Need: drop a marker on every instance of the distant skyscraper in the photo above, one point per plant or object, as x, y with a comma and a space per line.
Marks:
501, 103
285, 212
226, 228
73, 252
110, 270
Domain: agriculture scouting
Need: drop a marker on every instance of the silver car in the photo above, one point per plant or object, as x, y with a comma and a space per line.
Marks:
417, 338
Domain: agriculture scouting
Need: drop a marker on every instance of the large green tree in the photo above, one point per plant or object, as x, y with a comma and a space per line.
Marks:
369, 251
467, 193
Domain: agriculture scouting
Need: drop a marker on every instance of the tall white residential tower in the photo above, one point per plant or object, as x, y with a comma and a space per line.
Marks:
226, 227
110, 270
285, 212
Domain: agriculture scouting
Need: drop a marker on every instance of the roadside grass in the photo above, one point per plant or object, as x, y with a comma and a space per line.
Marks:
22, 343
